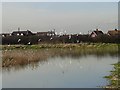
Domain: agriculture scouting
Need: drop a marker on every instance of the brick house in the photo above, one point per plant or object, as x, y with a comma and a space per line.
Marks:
96, 33
113, 32
22, 33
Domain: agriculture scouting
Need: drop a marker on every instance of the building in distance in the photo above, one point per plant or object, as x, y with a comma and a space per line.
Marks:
114, 32
96, 33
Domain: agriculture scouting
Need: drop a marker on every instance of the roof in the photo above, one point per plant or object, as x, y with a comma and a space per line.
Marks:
114, 32
5, 34
42, 32
98, 32
21, 31
24, 32
49, 33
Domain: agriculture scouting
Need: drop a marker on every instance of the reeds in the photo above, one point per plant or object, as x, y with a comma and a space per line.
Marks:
22, 55
71, 45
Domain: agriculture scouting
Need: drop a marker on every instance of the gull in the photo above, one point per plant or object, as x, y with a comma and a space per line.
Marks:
51, 38
29, 43
19, 40
69, 36
39, 39
77, 41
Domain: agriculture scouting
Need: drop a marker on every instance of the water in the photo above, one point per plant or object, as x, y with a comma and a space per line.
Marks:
0, 70
61, 72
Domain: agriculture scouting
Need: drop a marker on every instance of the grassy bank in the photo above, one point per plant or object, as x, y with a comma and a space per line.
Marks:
114, 77
13, 55
81, 45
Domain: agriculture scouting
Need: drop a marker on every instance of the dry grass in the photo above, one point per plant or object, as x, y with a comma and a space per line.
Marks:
22, 57
13, 57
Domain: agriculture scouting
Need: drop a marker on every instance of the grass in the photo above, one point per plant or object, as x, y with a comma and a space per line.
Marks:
14, 55
114, 77
81, 45
21, 57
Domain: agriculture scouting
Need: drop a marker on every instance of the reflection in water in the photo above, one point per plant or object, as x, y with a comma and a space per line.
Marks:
57, 68
61, 72
20, 59
0, 70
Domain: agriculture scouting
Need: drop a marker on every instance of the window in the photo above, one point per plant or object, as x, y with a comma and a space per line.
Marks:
21, 34
3, 35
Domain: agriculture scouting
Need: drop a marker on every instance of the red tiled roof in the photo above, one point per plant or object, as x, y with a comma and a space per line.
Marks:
114, 32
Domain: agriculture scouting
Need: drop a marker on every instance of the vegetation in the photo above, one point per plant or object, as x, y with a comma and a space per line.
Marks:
80, 45
13, 55
114, 77
75, 38
22, 55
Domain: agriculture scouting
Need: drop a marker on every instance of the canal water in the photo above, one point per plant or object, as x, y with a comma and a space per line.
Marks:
70, 71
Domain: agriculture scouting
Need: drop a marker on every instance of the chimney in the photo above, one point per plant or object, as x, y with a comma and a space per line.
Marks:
18, 28
115, 29
96, 29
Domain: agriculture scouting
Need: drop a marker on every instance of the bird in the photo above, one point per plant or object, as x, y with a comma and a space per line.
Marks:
19, 40
51, 38
39, 39
29, 43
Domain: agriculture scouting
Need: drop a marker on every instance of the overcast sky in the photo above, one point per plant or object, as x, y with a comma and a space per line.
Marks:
73, 17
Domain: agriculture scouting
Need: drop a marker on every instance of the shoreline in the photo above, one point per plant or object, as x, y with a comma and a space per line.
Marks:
36, 54
13, 55
62, 45
113, 78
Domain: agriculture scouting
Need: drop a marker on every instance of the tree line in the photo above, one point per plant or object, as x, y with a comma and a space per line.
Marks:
34, 39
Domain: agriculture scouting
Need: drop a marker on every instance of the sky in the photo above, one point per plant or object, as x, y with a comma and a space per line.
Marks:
60, 0
72, 17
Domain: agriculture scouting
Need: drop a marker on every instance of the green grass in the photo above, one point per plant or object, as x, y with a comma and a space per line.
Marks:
114, 77
13, 55
83, 45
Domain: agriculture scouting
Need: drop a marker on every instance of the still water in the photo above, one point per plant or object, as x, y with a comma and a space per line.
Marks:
61, 72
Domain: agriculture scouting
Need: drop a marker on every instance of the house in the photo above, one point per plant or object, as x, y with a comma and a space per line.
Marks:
42, 33
49, 33
5, 34
96, 33
113, 32
22, 33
